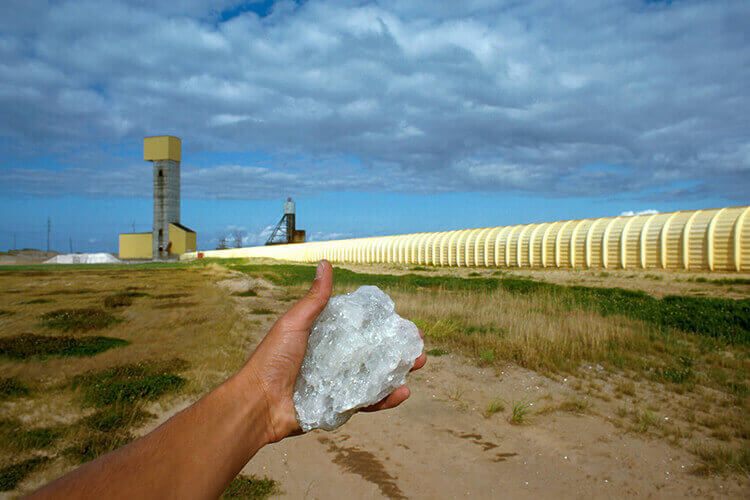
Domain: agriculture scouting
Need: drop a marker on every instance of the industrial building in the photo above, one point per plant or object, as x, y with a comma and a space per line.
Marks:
286, 230
168, 239
696, 240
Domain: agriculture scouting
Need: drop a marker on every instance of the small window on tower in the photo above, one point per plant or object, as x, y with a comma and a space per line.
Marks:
160, 175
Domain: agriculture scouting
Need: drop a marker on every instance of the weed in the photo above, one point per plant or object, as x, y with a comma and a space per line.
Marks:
127, 384
474, 274
487, 355
13, 435
681, 373
519, 411
13, 474
436, 352
262, 310
78, 319
5, 312
455, 394
626, 387
29, 345
578, 405
246, 293
419, 268
250, 488
644, 420
496, 405
11, 387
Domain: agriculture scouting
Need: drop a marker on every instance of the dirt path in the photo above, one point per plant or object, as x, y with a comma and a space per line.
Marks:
439, 444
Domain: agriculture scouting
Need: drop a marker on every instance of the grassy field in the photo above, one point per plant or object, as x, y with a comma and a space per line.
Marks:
92, 356
686, 355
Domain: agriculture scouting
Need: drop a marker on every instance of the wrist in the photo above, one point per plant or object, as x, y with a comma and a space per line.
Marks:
252, 406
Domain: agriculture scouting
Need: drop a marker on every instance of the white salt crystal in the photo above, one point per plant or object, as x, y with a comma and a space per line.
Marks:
358, 352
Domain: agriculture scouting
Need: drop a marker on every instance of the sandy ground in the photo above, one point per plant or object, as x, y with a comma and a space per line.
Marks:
439, 444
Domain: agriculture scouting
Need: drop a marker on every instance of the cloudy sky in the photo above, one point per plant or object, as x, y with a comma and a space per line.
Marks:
378, 117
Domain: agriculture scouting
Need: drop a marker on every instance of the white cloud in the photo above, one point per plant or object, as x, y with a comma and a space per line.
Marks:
586, 99
630, 213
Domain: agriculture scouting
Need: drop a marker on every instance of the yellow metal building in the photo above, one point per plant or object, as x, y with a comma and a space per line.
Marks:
697, 240
181, 239
136, 245
140, 245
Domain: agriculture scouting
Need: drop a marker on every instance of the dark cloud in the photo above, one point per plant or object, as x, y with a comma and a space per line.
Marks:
642, 100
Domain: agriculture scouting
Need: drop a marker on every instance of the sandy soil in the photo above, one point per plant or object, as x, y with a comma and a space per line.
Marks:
439, 444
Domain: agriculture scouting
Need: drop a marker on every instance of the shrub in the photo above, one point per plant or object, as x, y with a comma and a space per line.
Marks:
78, 319
29, 345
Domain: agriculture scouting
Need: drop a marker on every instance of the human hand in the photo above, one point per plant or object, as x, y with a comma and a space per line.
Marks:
274, 365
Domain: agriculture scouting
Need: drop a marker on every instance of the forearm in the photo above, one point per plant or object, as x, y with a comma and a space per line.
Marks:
195, 454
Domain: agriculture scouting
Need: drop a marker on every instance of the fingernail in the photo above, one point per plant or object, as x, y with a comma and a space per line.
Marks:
319, 271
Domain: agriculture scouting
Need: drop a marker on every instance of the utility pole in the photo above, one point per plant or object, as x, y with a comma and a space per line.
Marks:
49, 228
70, 238
133, 226
15, 245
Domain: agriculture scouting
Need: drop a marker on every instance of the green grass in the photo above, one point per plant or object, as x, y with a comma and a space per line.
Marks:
5, 312
262, 310
170, 296
37, 301
436, 352
519, 411
28, 345
246, 293
495, 406
11, 387
12, 475
725, 319
128, 384
81, 320
15, 436
251, 488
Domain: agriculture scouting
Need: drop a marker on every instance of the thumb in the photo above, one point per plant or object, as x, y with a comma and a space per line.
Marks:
302, 314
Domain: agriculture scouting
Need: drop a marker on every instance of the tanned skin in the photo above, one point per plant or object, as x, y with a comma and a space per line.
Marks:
197, 452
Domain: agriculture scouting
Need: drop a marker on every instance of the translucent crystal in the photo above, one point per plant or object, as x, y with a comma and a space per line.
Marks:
358, 352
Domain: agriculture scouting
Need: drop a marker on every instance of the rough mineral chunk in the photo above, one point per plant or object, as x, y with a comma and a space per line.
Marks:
359, 351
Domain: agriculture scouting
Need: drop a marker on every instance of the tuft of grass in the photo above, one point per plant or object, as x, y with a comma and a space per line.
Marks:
644, 420
12, 387
28, 345
251, 488
5, 312
128, 384
577, 405
78, 319
474, 274
12, 475
246, 293
495, 406
487, 356
436, 352
519, 411
262, 310
723, 458
15, 436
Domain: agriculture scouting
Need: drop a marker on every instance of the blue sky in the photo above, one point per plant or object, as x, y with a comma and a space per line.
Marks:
377, 117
